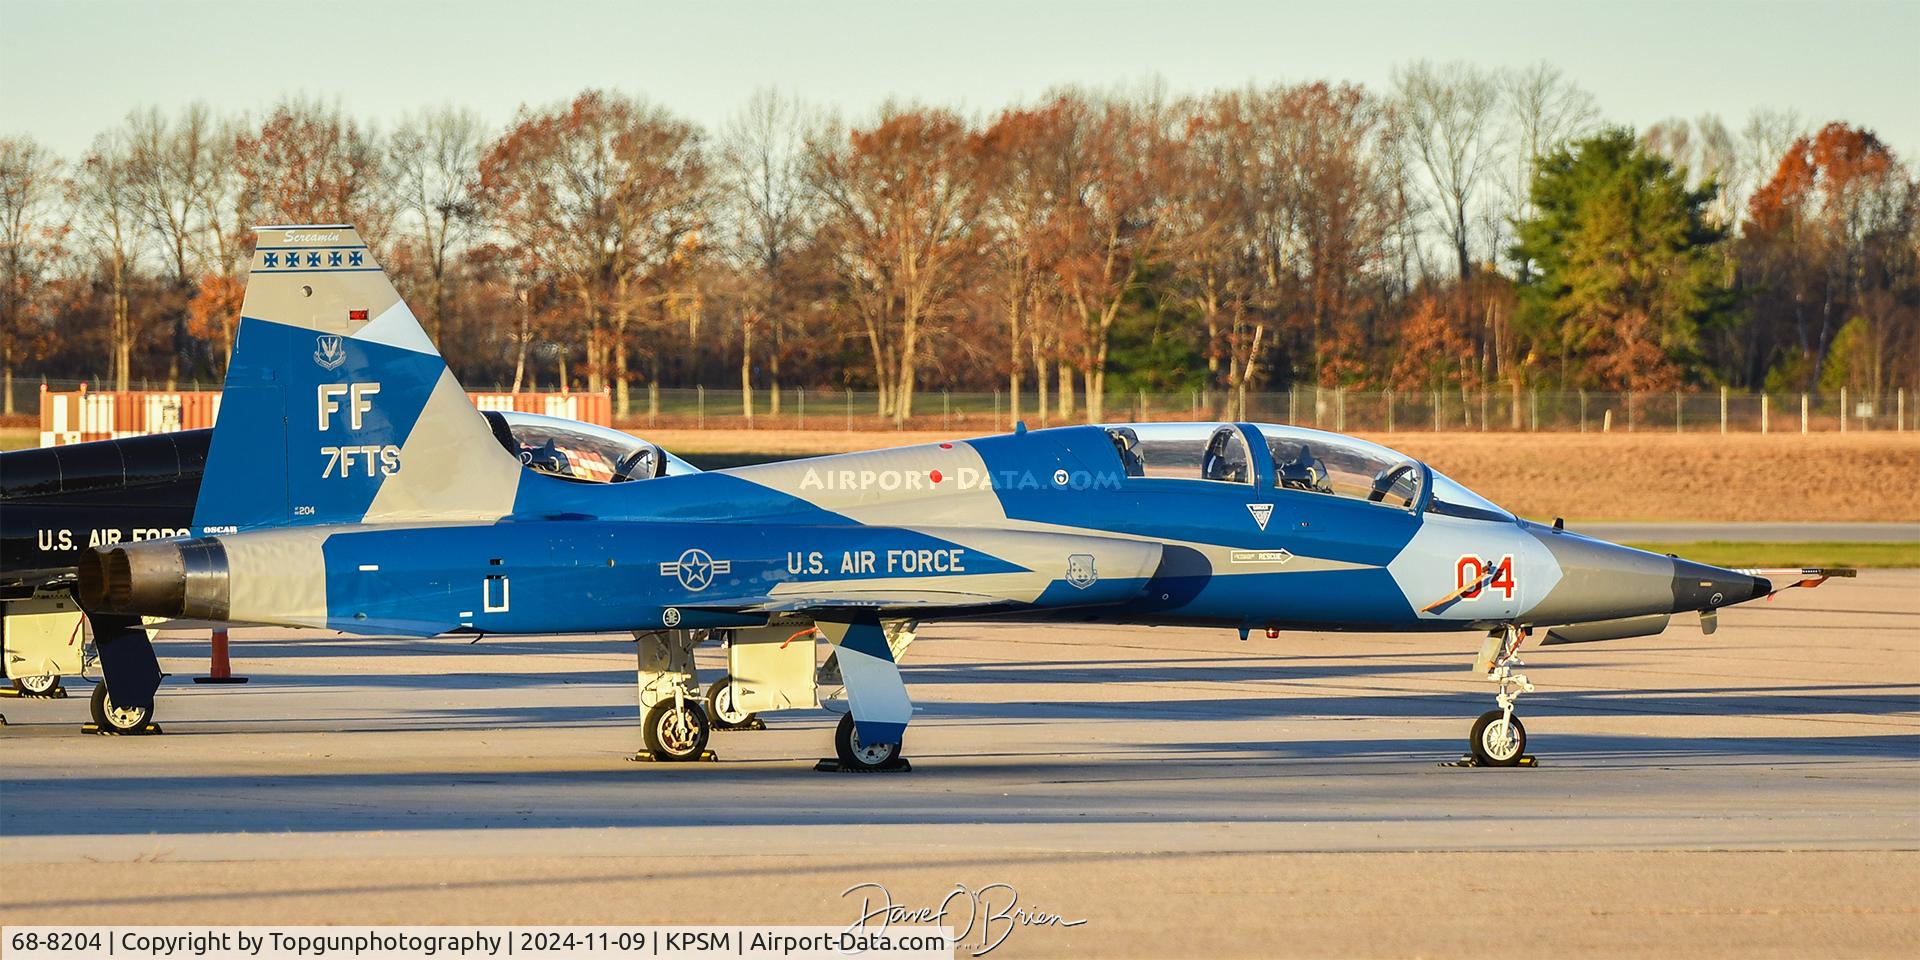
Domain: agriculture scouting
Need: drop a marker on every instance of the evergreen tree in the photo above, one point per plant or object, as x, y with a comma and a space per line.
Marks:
1622, 276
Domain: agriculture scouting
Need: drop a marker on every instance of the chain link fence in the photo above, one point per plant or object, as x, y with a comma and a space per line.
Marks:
1344, 411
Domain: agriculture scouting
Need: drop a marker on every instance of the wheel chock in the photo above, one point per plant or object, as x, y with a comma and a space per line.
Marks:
145, 730
706, 756
754, 724
832, 765
59, 692
1467, 760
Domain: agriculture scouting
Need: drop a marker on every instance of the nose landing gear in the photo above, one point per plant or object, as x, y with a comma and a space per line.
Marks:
1498, 738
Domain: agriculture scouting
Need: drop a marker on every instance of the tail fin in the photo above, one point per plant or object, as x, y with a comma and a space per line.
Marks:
337, 408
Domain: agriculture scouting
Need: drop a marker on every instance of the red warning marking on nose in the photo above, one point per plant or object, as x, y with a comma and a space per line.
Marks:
935, 476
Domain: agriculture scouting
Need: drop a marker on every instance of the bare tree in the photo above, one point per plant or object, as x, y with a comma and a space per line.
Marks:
29, 237
310, 163
1446, 120
1706, 151
433, 161
173, 167
1208, 222
1764, 142
767, 213
222, 244
108, 204
1545, 110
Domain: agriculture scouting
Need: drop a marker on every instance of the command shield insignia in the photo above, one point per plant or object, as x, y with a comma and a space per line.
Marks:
1080, 570
330, 352
1262, 512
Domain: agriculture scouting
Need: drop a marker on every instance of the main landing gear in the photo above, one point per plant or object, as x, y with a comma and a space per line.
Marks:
674, 721
864, 757
774, 667
1498, 738
676, 730
112, 719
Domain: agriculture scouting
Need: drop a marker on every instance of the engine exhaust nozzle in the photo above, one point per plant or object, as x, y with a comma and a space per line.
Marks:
157, 578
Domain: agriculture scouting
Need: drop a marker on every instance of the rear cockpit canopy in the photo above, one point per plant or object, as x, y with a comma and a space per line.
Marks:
1297, 459
585, 452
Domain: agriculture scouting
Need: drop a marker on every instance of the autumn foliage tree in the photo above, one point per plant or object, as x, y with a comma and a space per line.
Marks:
902, 201
1830, 241
309, 163
1068, 250
604, 194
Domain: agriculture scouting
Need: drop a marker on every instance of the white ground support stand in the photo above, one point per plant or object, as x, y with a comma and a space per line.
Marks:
778, 667
42, 639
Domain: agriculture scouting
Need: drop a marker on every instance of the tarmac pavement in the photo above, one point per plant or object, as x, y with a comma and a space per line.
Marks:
1752, 532
1752, 793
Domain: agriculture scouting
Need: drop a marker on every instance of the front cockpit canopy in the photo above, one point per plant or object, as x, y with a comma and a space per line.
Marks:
1302, 460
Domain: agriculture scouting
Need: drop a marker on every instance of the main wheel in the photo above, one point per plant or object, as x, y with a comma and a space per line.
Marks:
676, 734
725, 715
1498, 742
117, 719
37, 686
862, 756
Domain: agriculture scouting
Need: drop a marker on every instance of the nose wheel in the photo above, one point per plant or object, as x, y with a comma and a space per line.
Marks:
1499, 739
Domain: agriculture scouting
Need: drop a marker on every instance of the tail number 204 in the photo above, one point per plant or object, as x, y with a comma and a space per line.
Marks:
1473, 577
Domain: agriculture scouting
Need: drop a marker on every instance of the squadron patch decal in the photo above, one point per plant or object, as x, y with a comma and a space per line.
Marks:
1080, 571
1262, 512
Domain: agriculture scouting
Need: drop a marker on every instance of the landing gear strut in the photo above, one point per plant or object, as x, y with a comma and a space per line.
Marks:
1499, 739
675, 725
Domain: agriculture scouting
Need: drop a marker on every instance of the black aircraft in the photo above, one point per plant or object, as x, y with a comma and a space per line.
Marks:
56, 502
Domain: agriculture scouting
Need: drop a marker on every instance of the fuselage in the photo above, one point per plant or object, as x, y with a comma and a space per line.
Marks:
1241, 525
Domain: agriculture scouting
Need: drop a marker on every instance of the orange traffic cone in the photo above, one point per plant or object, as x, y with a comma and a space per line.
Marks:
221, 670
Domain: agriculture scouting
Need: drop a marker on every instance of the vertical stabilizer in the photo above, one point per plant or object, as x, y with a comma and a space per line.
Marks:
337, 408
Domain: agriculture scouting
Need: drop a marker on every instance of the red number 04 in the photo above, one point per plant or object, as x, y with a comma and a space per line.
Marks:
1470, 577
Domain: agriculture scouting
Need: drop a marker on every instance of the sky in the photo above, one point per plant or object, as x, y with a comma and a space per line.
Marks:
70, 69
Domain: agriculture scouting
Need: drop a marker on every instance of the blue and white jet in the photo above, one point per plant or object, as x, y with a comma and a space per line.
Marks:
351, 486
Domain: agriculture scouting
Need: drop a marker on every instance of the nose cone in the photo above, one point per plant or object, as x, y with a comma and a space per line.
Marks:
1697, 586
1606, 581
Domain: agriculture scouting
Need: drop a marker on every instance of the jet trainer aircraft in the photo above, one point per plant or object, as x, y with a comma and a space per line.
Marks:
351, 486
